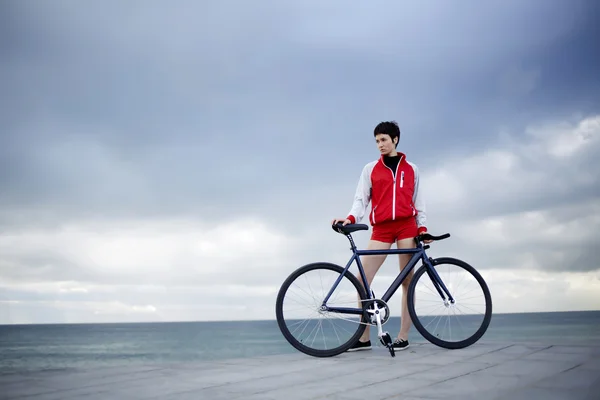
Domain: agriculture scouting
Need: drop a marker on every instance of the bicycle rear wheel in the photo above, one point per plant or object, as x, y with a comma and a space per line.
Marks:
307, 328
460, 324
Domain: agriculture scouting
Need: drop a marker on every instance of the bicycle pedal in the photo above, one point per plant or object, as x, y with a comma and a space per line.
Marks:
392, 351
386, 339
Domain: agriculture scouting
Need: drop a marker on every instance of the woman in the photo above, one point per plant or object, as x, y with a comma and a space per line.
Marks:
391, 184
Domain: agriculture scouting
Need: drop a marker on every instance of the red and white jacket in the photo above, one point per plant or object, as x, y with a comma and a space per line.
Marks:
392, 197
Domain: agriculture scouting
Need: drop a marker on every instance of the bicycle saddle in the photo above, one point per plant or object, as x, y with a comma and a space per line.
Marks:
346, 229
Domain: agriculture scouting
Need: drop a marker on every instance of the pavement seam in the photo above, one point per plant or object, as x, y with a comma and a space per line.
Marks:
238, 395
568, 369
69, 390
531, 384
341, 390
416, 373
536, 381
454, 377
367, 385
503, 348
52, 390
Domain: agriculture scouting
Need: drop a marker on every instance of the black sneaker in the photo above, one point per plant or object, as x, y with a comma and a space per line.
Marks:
400, 344
361, 346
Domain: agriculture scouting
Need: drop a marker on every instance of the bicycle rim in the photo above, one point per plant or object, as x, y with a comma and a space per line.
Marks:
305, 327
451, 326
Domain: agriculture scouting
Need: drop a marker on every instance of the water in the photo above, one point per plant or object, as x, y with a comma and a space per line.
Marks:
38, 347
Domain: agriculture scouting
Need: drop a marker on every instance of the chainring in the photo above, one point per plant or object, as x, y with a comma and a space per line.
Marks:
384, 311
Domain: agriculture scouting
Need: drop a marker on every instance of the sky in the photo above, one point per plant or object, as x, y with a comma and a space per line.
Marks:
177, 161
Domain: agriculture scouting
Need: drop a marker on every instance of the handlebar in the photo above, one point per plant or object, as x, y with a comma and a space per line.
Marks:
429, 236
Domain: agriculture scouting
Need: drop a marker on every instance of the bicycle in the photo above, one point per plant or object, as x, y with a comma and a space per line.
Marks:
375, 311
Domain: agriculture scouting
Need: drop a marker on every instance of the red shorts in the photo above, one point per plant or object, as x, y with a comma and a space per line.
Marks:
390, 231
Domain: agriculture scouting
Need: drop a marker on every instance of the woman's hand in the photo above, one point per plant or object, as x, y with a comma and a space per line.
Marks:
428, 240
345, 221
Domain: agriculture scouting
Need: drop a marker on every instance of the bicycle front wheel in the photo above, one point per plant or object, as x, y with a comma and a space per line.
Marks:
305, 325
450, 325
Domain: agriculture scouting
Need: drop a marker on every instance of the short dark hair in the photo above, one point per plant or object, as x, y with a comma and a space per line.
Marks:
389, 128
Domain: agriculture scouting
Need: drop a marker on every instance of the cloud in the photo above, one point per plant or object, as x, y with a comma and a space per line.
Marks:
163, 251
163, 267
533, 204
552, 165
146, 166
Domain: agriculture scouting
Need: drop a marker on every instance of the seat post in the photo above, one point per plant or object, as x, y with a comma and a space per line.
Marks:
352, 245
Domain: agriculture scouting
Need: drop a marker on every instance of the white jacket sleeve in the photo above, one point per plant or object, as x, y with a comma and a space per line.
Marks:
419, 202
362, 196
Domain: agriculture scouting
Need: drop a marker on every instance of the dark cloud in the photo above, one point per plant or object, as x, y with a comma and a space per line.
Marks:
114, 112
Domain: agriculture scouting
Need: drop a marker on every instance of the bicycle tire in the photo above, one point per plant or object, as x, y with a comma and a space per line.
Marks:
283, 327
419, 326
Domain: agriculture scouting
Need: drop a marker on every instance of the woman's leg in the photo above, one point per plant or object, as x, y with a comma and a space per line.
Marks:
405, 321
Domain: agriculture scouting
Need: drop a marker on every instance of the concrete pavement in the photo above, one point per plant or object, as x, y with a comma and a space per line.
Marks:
483, 371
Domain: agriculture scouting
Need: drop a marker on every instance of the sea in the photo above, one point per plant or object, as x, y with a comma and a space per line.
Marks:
65, 346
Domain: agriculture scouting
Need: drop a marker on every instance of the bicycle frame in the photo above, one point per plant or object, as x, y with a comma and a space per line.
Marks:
417, 252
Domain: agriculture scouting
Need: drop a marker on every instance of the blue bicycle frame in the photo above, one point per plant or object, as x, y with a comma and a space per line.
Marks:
417, 252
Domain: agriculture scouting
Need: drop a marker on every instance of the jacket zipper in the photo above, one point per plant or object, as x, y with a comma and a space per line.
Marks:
394, 195
401, 181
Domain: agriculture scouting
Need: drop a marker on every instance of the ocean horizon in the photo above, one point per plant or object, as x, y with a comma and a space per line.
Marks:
250, 320
34, 347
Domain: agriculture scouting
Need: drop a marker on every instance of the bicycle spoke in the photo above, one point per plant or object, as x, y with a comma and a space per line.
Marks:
306, 321
442, 319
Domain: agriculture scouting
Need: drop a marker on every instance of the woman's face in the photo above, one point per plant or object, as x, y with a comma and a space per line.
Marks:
386, 146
